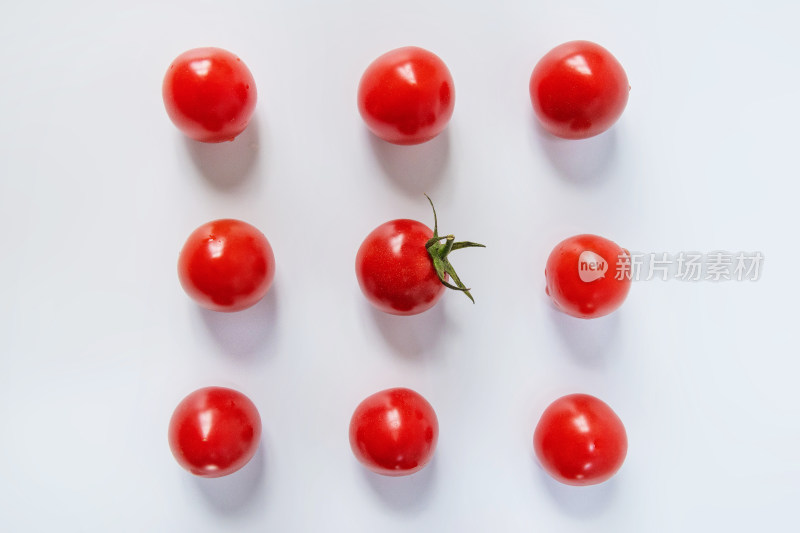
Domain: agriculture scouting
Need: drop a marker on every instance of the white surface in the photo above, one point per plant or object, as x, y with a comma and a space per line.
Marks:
98, 191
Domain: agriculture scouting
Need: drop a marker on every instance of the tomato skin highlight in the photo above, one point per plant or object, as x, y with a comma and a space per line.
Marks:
586, 299
209, 94
395, 271
394, 432
580, 440
214, 431
578, 90
226, 265
406, 96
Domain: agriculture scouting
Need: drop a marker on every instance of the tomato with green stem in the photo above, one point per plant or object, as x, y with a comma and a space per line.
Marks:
403, 267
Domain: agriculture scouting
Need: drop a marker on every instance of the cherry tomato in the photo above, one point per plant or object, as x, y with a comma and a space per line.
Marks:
402, 266
214, 431
394, 269
226, 265
578, 90
579, 440
406, 96
394, 432
209, 94
588, 276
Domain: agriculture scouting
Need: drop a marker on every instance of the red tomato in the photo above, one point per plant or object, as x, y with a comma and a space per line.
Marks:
394, 432
214, 431
578, 90
226, 265
395, 271
580, 441
209, 94
402, 266
406, 96
587, 276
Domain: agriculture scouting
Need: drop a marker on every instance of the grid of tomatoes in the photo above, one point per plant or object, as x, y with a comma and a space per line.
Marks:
406, 96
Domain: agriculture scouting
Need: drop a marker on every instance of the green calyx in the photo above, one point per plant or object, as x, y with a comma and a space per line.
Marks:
439, 248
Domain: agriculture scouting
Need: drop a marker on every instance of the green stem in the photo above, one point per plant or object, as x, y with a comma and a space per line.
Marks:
439, 251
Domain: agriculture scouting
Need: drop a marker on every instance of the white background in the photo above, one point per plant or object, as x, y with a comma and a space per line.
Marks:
98, 343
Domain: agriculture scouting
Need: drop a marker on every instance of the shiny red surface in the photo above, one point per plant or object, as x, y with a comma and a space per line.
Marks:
214, 431
209, 94
395, 271
580, 440
226, 265
406, 96
394, 432
578, 90
580, 298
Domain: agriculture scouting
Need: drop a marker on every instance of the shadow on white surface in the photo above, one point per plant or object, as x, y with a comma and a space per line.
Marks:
581, 162
588, 340
416, 169
412, 336
227, 165
233, 493
404, 493
580, 502
245, 334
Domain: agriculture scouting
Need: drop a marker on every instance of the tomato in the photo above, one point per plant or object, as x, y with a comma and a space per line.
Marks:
578, 90
394, 432
402, 266
588, 276
580, 440
209, 94
406, 96
214, 431
394, 269
226, 265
